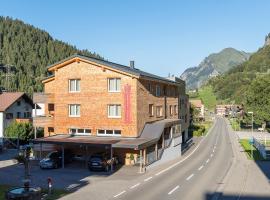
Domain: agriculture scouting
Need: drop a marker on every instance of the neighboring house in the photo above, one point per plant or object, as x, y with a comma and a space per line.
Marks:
93, 105
228, 109
14, 106
198, 104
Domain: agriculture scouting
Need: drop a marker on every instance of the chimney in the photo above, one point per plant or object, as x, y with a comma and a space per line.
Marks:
132, 64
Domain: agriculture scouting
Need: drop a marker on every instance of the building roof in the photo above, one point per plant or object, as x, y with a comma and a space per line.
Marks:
8, 98
196, 102
126, 69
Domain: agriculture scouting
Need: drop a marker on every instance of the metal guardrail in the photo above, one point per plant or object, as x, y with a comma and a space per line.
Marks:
260, 147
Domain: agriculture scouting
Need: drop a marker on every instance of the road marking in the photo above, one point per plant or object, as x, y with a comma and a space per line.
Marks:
148, 178
188, 178
200, 168
134, 185
207, 161
177, 163
119, 194
211, 155
214, 150
173, 190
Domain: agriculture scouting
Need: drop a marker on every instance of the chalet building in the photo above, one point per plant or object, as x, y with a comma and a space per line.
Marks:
198, 104
93, 105
14, 106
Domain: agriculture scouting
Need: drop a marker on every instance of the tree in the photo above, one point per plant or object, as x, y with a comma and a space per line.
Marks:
258, 99
23, 131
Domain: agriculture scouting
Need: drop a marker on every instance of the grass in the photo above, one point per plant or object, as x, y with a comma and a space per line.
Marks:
247, 147
197, 128
208, 97
57, 193
235, 124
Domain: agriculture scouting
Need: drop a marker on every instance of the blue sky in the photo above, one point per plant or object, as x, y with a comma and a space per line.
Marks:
162, 36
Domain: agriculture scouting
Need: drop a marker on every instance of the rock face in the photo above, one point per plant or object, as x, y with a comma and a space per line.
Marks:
267, 40
213, 65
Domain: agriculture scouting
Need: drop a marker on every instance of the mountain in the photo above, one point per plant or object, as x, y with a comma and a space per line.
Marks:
27, 51
213, 65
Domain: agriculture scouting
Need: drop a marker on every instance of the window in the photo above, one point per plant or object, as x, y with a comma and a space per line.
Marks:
102, 132
175, 109
114, 111
9, 116
18, 115
151, 110
158, 91
74, 110
149, 87
79, 131
51, 107
159, 111
171, 110
74, 85
114, 84
27, 115
50, 129
18, 103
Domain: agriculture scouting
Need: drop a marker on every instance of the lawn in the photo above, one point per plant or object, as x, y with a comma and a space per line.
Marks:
247, 147
56, 193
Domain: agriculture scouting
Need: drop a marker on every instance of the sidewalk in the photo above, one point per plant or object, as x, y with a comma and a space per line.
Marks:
246, 178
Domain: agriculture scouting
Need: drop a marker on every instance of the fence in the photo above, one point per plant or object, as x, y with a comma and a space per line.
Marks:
260, 147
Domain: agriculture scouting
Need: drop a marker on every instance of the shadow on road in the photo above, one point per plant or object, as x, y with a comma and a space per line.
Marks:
221, 196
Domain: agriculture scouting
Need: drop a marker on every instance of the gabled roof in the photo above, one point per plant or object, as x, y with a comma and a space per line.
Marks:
8, 98
123, 68
196, 102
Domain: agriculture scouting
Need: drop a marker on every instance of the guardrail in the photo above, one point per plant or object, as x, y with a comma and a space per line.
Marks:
260, 147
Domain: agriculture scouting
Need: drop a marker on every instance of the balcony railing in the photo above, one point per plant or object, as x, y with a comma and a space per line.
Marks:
43, 97
42, 121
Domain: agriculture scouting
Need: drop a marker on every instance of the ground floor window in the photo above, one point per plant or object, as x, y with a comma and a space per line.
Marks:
79, 131
102, 132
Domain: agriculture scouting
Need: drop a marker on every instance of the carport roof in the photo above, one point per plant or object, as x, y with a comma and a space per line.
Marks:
116, 142
150, 135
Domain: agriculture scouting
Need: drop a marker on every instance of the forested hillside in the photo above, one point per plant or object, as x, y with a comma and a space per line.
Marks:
29, 50
248, 83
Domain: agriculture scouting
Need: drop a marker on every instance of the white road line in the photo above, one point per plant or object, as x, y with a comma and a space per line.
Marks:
211, 155
148, 178
200, 168
173, 190
188, 178
207, 161
136, 185
119, 194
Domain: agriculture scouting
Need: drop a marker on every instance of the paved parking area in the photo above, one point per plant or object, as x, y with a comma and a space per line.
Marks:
73, 177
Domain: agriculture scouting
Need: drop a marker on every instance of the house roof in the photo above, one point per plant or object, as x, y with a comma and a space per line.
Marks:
8, 98
123, 68
196, 102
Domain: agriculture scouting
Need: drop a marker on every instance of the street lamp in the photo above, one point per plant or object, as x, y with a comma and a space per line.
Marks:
251, 133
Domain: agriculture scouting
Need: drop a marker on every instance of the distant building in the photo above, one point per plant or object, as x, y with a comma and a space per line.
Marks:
198, 104
14, 106
228, 109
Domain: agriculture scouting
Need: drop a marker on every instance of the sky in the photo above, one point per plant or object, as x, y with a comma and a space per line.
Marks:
161, 36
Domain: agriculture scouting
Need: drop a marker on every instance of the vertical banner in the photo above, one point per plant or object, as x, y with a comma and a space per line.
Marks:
127, 103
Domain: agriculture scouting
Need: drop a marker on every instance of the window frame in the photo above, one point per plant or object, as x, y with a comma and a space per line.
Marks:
160, 113
109, 135
151, 110
116, 110
69, 110
158, 90
76, 89
115, 90
79, 133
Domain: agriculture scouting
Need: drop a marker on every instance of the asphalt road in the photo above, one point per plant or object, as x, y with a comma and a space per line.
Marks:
193, 179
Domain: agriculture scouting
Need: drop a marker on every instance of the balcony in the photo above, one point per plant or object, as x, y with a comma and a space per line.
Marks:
42, 121
23, 120
43, 97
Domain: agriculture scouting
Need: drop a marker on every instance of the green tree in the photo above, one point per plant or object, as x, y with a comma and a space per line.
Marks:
23, 131
258, 99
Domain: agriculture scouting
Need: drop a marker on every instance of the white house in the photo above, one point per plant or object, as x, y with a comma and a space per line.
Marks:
14, 106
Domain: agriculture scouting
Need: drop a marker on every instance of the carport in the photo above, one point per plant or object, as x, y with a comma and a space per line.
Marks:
65, 140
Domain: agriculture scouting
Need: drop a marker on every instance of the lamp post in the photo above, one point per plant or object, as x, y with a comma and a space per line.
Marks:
251, 112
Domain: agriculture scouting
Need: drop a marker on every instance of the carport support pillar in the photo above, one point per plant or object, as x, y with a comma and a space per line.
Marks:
141, 161
156, 150
111, 159
144, 160
63, 157
163, 140
40, 150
